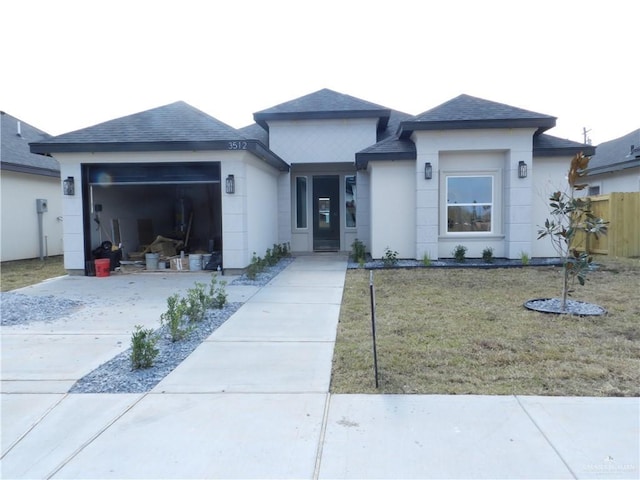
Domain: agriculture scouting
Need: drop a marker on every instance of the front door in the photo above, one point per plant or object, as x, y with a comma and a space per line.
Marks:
326, 213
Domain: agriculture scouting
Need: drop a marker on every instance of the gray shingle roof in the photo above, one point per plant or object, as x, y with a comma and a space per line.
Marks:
14, 149
465, 112
549, 146
323, 104
173, 127
391, 148
176, 122
616, 154
255, 132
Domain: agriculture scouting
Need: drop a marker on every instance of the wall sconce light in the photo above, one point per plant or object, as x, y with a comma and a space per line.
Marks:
522, 169
428, 171
69, 186
230, 184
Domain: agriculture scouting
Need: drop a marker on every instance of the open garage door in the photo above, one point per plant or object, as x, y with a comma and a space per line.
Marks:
134, 204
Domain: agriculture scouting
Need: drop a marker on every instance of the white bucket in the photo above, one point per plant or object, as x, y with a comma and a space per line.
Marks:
151, 260
195, 262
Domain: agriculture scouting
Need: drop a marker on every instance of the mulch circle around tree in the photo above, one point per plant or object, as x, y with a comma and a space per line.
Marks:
574, 307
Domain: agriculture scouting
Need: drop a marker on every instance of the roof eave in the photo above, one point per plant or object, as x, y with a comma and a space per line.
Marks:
363, 158
616, 167
45, 172
254, 146
564, 151
383, 115
405, 129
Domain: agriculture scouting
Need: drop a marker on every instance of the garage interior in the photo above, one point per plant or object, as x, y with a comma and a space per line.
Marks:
135, 205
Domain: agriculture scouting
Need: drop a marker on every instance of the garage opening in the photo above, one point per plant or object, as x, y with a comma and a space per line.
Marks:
135, 205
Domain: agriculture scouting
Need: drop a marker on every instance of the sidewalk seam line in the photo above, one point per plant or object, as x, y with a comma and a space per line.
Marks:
92, 438
35, 424
323, 431
548, 440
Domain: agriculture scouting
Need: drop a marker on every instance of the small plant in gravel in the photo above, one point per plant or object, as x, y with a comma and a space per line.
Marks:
217, 293
426, 259
255, 267
390, 257
197, 302
358, 251
460, 253
143, 347
524, 258
174, 317
487, 255
271, 258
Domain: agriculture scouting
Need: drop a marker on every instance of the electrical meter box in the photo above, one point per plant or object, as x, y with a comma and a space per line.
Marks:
42, 205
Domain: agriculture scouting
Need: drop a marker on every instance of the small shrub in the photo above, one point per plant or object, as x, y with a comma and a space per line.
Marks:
271, 258
197, 302
487, 255
524, 258
143, 347
390, 257
217, 294
255, 267
426, 259
174, 317
460, 253
358, 251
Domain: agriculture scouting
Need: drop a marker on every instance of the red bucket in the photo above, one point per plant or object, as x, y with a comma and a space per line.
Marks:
103, 265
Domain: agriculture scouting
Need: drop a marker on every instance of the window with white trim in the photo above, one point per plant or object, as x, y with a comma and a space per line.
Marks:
470, 204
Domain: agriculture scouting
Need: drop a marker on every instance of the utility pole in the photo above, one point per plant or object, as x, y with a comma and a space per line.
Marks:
586, 139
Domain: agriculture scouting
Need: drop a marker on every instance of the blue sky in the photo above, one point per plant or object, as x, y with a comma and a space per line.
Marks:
69, 64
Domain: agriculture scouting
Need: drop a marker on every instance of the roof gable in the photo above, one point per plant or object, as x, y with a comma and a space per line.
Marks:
15, 136
467, 112
323, 104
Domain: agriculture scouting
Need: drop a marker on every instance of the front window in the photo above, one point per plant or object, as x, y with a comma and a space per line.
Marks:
350, 200
301, 202
469, 204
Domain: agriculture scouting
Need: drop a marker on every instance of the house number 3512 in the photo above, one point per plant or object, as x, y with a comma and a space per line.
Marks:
237, 145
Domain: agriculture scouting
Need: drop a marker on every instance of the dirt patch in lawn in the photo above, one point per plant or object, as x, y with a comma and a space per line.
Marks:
465, 331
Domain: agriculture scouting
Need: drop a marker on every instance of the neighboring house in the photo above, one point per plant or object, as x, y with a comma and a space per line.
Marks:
317, 172
25, 178
616, 166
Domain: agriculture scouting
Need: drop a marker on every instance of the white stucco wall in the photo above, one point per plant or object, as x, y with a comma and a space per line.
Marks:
262, 207
19, 225
321, 141
393, 199
513, 146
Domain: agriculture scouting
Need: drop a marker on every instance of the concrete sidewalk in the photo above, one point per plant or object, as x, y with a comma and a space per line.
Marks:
252, 401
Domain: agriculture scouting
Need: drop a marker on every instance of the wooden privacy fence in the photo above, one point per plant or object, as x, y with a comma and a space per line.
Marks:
622, 211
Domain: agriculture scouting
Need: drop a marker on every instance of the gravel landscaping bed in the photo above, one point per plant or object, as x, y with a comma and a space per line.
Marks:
116, 375
451, 263
18, 309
